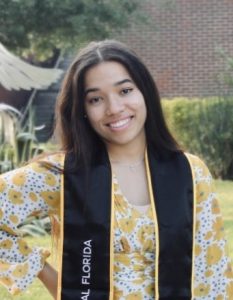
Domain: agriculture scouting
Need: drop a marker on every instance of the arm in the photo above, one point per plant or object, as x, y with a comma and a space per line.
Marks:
30, 190
49, 278
213, 276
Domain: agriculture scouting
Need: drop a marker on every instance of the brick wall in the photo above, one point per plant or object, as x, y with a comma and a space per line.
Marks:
180, 42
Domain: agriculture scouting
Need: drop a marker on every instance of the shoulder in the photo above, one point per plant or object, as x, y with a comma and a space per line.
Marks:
197, 164
42, 164
199, 169
56, 159
194, 159
52, 162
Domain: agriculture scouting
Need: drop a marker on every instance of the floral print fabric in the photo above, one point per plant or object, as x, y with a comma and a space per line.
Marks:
35, 189
134, 247
27, 191
213, 276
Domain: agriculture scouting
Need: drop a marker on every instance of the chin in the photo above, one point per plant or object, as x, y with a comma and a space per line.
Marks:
119, 142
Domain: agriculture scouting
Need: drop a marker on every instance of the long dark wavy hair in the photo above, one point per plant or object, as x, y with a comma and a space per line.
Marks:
76, 134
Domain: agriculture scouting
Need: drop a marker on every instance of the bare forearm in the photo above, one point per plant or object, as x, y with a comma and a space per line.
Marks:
49, 278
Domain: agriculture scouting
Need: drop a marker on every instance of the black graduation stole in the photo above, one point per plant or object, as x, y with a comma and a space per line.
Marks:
87, 257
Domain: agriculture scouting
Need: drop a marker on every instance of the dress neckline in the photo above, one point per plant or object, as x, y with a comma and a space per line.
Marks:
141, 209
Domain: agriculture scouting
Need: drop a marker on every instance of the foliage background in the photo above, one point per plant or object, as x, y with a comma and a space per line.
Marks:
204, 127
37, 27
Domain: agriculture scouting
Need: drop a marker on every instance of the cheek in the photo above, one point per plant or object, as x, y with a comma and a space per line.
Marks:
143, 111
140, 105
138, 100
94, 117
93, 122
144, 108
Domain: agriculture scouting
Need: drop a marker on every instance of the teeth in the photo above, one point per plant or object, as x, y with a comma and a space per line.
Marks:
119, 123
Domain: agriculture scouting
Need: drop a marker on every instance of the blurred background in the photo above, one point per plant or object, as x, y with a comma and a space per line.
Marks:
187, 45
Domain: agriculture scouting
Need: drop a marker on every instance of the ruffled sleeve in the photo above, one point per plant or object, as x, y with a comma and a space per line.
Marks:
27, 191
213, 276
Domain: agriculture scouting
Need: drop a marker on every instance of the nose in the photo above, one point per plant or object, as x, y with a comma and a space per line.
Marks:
114, 106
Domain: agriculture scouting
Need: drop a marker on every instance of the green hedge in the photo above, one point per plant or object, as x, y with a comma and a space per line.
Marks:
204, 127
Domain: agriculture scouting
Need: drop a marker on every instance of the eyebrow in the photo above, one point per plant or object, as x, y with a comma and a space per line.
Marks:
115, 84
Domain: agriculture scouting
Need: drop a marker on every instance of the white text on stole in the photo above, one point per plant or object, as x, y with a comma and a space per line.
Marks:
86, 268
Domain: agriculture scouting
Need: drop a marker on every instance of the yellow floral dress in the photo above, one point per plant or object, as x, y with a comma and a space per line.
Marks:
35, 189
134, 248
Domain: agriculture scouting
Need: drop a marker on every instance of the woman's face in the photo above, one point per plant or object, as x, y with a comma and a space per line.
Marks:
115, 107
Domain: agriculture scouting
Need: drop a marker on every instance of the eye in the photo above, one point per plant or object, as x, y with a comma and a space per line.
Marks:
126, 91
94, 100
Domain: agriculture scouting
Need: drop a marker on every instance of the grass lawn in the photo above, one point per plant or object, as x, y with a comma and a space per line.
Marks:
225, 193
37, 290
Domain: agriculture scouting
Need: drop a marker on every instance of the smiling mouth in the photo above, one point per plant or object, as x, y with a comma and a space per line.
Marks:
120, 124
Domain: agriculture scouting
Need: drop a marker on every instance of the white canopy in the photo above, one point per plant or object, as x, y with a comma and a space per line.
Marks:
15, 74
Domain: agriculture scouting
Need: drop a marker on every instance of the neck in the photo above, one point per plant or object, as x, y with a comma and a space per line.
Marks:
129, 153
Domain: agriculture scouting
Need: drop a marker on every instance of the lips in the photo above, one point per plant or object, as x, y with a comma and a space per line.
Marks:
120, 124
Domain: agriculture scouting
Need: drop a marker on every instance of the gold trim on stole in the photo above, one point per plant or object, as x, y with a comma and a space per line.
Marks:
61, 242
111, 290
194, 222
152, 200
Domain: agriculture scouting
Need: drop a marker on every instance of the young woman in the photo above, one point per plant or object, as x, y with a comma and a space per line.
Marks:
138, 216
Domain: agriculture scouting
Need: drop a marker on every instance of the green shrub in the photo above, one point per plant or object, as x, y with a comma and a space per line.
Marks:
36, 226
18, 141
204, 127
